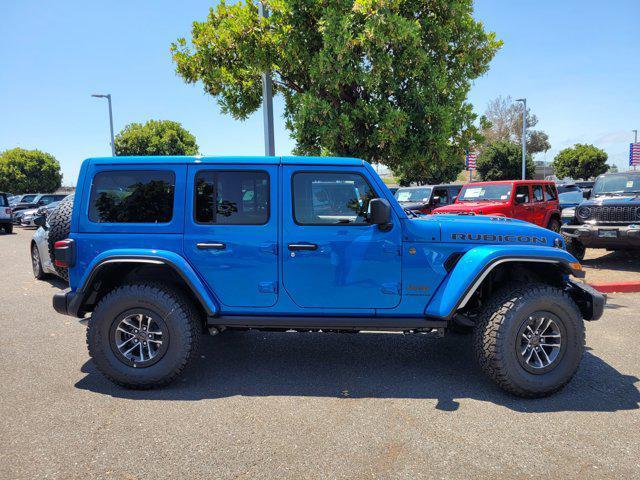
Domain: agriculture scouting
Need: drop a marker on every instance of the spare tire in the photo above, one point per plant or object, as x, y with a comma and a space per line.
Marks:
59, 227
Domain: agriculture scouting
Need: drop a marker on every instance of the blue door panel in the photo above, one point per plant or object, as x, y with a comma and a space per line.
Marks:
245, 272
353, 267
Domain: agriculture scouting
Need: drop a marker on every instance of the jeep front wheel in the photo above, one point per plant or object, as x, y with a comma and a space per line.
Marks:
143, 335
530, 339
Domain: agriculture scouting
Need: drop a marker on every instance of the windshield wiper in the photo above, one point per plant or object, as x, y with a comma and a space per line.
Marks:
411, 213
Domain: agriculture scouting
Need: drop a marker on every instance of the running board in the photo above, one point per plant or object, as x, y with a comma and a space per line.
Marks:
326, 323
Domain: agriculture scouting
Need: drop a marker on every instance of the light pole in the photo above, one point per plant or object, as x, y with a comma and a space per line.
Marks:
267, 100
524, 136
108, 97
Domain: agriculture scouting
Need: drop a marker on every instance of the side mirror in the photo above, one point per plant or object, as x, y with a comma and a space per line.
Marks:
379, 212
40, 221
436, 200
521, 197
586, 193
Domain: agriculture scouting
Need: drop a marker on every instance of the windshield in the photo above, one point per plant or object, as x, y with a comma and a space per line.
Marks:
619, 183
571, 197
485, 193
413, 194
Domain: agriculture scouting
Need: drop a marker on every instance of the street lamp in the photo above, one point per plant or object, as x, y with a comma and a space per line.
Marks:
108, 97
524, 136
267, 100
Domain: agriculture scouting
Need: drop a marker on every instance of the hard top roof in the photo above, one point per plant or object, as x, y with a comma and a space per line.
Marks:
507, 182
438, 185
231, 160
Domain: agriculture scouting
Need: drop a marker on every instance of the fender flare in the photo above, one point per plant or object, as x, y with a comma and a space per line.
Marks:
177, 263
550, 214
476, 264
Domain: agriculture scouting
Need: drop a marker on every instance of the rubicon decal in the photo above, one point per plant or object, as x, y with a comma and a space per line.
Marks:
489, 237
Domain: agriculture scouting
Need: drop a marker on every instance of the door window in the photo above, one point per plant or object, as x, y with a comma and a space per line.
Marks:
443, 194
232, 197
550, 192
331, 198
523, 190
538, 196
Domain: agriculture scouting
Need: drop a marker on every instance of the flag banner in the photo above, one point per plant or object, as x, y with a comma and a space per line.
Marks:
634, 154
471, 160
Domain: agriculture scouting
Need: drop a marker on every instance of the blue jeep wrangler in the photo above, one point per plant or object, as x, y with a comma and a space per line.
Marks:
164, 249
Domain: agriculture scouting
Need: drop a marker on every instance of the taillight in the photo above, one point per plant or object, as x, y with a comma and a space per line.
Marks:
63, 256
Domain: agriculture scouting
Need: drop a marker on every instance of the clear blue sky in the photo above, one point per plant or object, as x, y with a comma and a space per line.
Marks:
575, 61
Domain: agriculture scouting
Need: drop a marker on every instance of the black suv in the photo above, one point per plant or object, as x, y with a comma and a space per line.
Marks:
609, 218
422, 200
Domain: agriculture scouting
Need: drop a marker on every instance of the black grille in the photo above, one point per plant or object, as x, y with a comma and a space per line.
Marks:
614, 214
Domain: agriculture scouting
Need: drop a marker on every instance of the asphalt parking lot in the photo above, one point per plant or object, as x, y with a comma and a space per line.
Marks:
289, 405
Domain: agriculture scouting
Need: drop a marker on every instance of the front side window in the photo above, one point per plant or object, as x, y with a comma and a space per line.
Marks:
232, 197
3, 201
538, 196
443, 194
523, 190
132, 196
331, 198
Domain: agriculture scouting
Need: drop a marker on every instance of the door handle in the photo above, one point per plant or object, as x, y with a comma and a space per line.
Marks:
211, 246
303, 246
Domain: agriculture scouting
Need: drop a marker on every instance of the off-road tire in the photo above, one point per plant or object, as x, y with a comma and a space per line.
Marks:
184, 331
575, 247
554, 225
36, 263
8, 229
59, 227
495, 338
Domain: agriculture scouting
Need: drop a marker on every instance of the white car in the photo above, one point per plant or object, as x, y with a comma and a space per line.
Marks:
6, 221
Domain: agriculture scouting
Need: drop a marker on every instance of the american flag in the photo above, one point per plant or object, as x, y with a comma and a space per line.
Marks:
634, 154
471, 159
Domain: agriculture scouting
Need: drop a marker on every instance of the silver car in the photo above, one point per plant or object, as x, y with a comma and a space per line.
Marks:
27, 217
40, 258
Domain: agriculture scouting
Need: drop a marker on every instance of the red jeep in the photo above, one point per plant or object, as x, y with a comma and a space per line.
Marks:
534, 201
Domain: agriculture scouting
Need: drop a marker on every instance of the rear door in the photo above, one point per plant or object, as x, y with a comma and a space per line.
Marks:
231, 233
539, 210
332, 256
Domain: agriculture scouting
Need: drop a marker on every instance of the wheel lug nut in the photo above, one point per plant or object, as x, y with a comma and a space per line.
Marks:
149, 335
144, 343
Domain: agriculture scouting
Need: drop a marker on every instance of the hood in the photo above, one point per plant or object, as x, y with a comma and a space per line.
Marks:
470, 206
612, 200
480, 230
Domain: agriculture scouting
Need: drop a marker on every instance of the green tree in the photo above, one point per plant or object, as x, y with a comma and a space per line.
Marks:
382, 80
502, 160
580, 161
23, 171
156, 137
504, 122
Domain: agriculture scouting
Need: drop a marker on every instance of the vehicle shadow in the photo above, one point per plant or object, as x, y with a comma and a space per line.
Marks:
620, 260
55, 282
256, 364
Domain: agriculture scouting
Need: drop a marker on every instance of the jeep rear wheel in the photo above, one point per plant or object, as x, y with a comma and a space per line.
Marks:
530, 339
143, 335
554, 225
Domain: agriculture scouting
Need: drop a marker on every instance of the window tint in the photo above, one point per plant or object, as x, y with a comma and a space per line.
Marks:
232, 198
550, 192
538, 196
523, 190
443, 194
132, 196
331, 198
47, 199
3, 201
28, 198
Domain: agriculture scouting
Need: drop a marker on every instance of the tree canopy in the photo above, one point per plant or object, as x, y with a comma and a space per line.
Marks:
156, 137
582, 161
502, 160
504, 122
386, 81
29, 171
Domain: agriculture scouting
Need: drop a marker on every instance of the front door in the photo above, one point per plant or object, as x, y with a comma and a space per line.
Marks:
332, 256
524, 209
232, 233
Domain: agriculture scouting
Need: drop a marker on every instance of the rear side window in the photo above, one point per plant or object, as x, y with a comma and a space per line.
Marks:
331, 198
538, 196
551, 192
3, 201
232, 197
132, 196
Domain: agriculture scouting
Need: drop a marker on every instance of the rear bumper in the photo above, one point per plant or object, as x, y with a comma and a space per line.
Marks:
590, 235
65, 303
589, 300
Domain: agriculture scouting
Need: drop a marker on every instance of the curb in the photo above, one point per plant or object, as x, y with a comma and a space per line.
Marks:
617, 287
